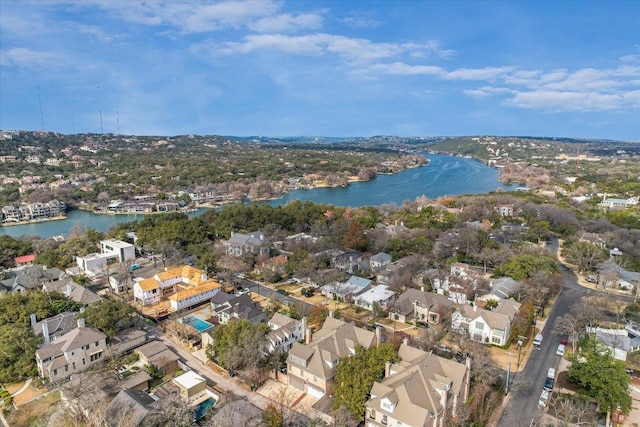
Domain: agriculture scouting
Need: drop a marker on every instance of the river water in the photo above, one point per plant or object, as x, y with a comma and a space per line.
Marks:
443, 175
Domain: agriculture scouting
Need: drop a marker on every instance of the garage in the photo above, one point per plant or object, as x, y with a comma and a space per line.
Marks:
314, 392
296, 382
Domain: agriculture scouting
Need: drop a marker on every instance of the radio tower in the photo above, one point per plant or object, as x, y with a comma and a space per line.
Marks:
40, 103
100, 106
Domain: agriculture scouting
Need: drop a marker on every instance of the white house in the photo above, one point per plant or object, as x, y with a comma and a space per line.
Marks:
347, 290
380, 260
112, 252
285, 331
380, 294
490, 327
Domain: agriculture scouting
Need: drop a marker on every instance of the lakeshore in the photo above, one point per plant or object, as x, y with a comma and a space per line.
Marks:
446, 175
34, 221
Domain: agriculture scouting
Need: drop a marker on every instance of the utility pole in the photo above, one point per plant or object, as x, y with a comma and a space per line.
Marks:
521, 341
100, 107
506, 388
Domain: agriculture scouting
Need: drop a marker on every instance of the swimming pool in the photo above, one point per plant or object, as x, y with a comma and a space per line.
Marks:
199, 324
201, 409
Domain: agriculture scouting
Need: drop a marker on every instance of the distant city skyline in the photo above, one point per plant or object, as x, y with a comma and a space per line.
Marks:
322, 68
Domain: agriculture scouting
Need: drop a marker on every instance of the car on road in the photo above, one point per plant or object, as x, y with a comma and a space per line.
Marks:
282, 292
537, 340
134, 267
544, 398
561, 349
551, 373
241, 276
242, 291
548, 384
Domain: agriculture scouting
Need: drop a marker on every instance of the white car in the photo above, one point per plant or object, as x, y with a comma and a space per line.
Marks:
561, 349
544, 398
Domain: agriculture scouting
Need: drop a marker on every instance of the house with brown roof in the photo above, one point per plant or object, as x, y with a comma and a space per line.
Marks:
418, 391
72, 352
311, 366
485, 326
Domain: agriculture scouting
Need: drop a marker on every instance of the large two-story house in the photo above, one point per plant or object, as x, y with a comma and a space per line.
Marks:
241, 244
490, 327
285, 332
72, 352
420, 307
312, 366
418, 391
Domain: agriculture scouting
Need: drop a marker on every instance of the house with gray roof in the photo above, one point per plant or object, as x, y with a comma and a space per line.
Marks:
419, 391
228, 308
240, 244
485, 326
131, 407
285, 331
620, 342
29, 278
73, 291
501, 288
53, 327
420, 306
156, 353
311, 366
346, 291
380, 260
237, 413
72, 352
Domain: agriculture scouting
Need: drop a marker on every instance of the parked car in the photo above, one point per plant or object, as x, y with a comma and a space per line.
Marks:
242, 291
544, 398
308, 292
134, 267
551, 373
282, 292
548, 384
561, 349
537, 340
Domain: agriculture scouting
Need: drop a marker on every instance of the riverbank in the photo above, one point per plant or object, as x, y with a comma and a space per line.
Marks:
34, 221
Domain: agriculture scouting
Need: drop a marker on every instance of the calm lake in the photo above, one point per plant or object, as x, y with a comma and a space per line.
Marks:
443, 175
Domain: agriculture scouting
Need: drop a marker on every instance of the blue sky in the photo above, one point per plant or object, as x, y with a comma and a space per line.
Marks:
330, 68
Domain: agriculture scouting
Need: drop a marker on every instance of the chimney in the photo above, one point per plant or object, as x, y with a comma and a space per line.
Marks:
69, 289
378, 336
475, 307
303, 325
422, 288
387, 369
82, 309
331, 313
307, 335
204, 277
45, 333
81, 323
405, 341
33, 319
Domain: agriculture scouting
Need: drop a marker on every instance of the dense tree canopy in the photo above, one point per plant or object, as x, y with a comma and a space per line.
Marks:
601, 376
356, 374
109, 316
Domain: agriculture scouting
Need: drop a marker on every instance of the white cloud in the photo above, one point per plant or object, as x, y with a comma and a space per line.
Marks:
488, 73
287, 23
565, 101
360, 20
29, 58
400, 68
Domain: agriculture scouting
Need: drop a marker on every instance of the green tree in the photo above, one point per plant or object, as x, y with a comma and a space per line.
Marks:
600, 376
238, 345
109, 316
355, 376
271, 417
526, 265
18, 346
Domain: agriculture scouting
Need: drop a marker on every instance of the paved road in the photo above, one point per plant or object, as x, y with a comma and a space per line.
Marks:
268, 292
522, 407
